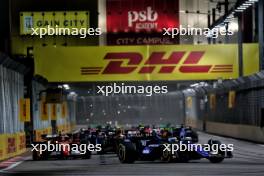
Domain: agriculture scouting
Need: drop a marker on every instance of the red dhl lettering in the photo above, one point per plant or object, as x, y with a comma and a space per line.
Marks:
168, 65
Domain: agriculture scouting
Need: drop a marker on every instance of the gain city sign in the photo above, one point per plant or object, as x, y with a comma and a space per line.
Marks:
145, 63
61, 19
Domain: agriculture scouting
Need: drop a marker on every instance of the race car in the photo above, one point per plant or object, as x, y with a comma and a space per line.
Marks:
149, 147
108, 138
61, 146
146, 148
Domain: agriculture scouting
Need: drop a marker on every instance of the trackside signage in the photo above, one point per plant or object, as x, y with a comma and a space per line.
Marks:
138, 22
133, 63
59, 19
138, 16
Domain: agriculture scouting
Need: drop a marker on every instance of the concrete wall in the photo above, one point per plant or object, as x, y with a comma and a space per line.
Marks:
246, 132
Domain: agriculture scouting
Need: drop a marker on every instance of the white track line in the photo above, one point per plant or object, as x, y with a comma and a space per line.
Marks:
14, 165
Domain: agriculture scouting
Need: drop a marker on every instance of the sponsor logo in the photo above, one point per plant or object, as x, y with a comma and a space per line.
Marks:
11, 145
22, 143
145, 19
131, 62
28, 23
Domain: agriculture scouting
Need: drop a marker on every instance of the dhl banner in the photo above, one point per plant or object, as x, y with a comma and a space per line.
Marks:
60, 19
40, 132
53, 111
133, 63
44, 113
231, 99
65, 128
64, 110
212, 101
21, 141
12, 145
24, 110
189, 102
2, 146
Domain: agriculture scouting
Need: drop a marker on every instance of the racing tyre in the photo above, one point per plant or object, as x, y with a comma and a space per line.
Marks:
126, 153
216, 159
45, 155
101, 152
166, 156
183, 157
88, 153
36, 156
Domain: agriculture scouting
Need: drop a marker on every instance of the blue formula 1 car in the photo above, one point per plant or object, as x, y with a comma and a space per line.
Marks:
146, 148
155, 147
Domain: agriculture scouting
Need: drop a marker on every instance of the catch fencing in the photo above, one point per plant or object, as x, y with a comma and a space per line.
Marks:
131, 109
11, 91
12, 136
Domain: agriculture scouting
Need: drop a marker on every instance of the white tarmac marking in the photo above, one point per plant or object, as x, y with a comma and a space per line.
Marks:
14, 165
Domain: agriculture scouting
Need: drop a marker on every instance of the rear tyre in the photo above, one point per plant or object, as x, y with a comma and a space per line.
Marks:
184, 157
216, 159
36, 155
87, 155
126, 153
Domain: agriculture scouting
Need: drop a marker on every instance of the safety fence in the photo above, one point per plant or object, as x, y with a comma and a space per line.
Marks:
131, 109
232, 108
38, 122
12, 135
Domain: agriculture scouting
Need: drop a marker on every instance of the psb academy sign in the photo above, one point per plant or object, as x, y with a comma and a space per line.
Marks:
68, 19
132, 63
134, 22
137, 16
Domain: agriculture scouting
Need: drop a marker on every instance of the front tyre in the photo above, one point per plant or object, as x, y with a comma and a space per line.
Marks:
167, 156
220, 154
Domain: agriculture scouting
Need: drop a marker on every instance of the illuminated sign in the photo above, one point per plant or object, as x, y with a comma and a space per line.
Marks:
144, 19
156, 59
24, 110
133, 63
68, 19
134, 22
134, 15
